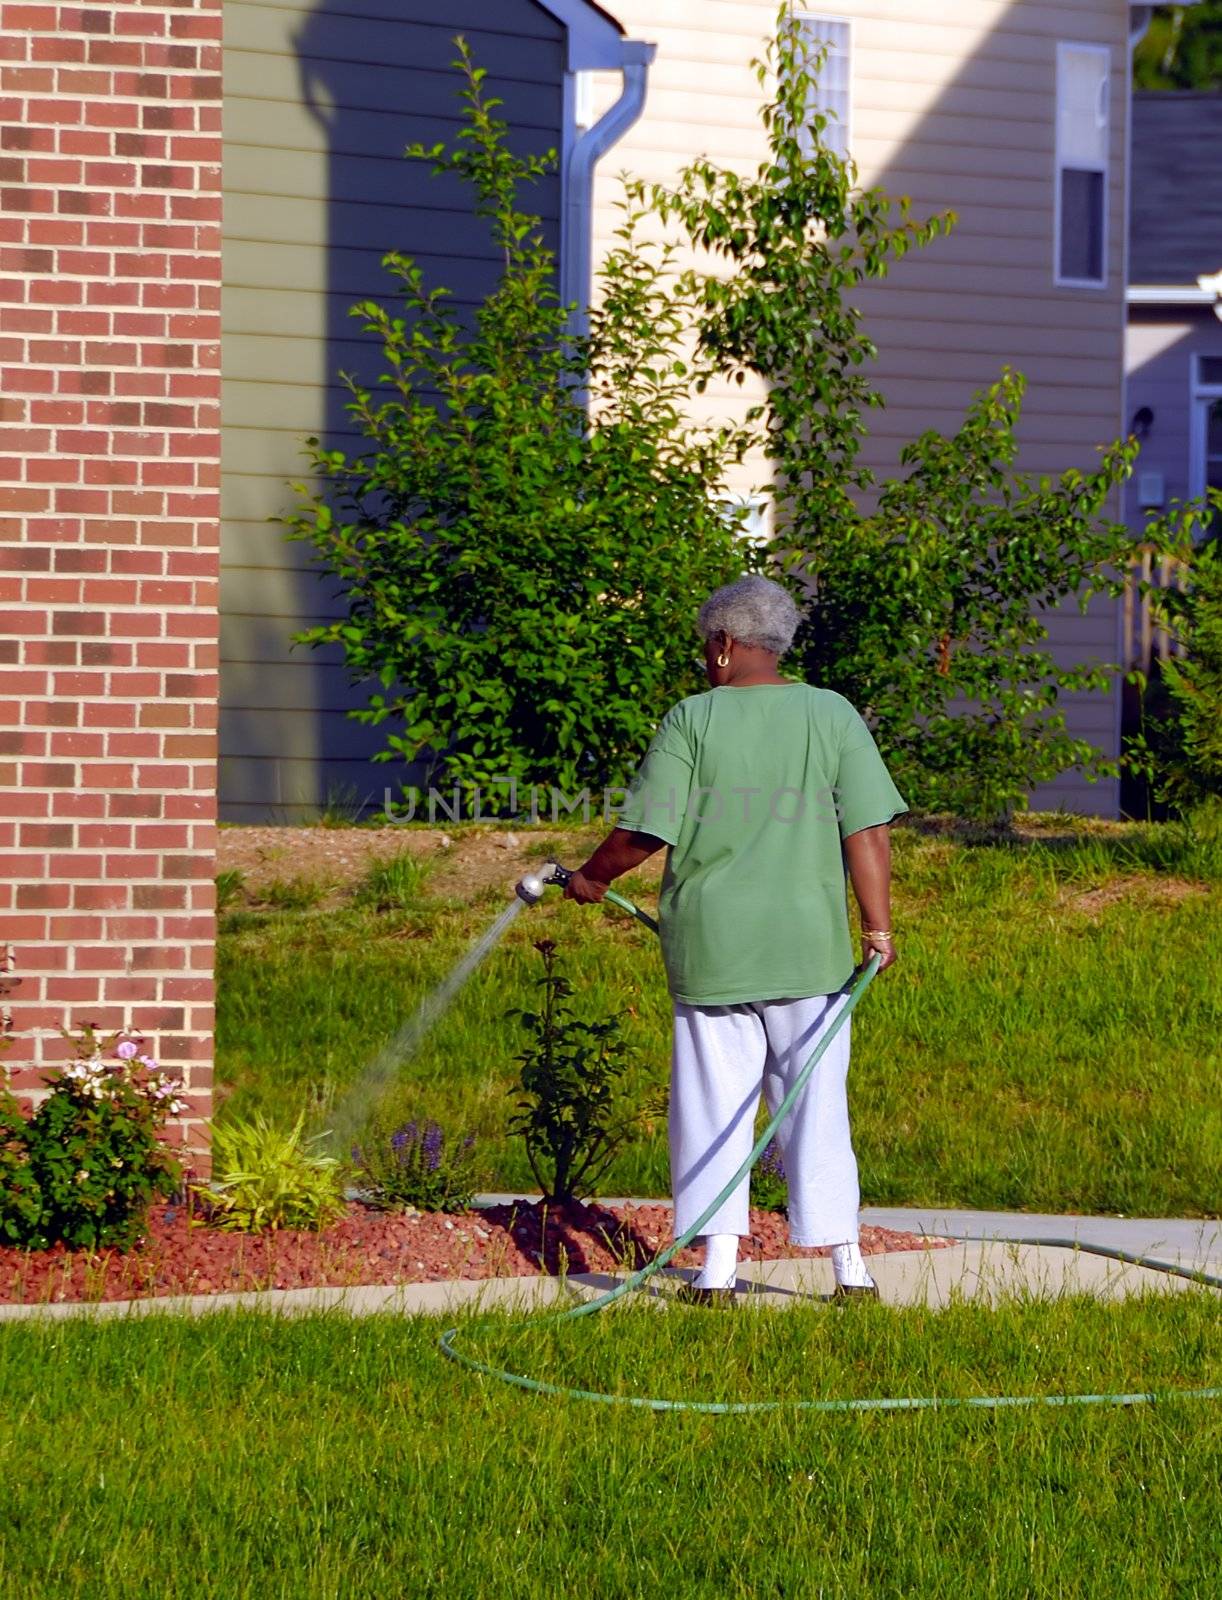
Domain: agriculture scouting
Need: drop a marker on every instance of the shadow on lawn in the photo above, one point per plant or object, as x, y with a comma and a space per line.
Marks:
1191, 848
572, 1238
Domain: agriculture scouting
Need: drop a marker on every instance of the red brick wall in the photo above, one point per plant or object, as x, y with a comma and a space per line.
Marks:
110, 248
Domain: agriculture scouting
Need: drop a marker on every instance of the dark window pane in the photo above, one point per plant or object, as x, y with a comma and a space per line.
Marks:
1081, 224
1210, 369
1213, 430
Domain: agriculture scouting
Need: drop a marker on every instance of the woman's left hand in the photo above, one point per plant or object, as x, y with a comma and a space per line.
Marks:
588, 891
883, 948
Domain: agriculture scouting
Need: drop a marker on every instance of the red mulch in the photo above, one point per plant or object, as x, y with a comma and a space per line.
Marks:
372, 1247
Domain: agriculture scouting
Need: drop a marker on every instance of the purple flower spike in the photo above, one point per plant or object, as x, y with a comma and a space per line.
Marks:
431, 1146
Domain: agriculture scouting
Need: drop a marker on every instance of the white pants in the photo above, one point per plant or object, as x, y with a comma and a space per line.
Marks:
723, 1057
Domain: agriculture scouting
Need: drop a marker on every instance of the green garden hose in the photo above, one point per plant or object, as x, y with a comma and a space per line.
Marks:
737, 1408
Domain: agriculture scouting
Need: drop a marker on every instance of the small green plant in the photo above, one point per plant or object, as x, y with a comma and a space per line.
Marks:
418, 1167
572, 1113
229, 887
265, 1178
84, 1169
293, 894
342, 808
394, 885
769, 1186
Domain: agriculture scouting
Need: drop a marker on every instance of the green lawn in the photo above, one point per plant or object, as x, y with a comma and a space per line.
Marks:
250, 1456
1048, 1042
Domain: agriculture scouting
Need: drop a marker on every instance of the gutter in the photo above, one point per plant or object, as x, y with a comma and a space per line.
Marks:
1207, 291
581, 157
595, 42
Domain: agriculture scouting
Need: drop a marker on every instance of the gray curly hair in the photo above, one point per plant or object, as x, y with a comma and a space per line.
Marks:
755, 611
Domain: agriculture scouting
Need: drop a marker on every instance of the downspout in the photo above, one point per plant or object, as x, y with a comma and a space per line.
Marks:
1139, 21
577, 214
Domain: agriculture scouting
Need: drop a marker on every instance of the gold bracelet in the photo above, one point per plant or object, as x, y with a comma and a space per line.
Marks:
876, 933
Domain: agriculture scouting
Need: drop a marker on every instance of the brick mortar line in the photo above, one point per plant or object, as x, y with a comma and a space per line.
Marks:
108, 250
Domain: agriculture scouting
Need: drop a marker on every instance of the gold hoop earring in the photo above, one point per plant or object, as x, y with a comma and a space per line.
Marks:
723, 660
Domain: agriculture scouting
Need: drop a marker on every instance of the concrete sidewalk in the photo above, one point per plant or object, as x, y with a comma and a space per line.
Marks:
1183, 1241
977, 1269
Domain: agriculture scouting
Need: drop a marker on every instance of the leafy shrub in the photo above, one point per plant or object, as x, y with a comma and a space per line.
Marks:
769, 1186
229, 886
417, 1167
84, 1169
394, 885
572, 1113
265, 1178
518, 568
20, 1196
1192, 768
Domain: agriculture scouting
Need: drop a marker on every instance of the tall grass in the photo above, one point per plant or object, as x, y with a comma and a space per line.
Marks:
253, 1458
1048, 1041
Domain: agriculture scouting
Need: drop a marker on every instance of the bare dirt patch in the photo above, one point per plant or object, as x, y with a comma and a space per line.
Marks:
463, 863
1135, 889
374, 1247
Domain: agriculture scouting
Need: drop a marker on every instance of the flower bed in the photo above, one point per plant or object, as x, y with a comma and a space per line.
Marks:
377, 1247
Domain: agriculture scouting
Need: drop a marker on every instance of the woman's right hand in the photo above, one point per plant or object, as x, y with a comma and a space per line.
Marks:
587, 891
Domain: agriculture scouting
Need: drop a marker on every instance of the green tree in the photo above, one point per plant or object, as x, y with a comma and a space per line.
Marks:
1182, 48
518, 577
927, 611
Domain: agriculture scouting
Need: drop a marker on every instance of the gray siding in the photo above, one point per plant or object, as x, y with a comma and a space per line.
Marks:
319, 105
1160, 350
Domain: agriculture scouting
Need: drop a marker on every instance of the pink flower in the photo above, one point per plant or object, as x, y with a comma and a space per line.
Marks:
126, 1050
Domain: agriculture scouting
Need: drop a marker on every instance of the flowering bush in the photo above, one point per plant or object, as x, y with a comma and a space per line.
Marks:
769, 1186
85, 1168
418, 1167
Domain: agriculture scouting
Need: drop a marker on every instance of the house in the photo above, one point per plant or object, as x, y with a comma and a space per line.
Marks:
1012, 113
1173, 350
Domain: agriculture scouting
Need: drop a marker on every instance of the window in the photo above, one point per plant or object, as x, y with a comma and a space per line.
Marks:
1206, 457
1083, 84
832, 94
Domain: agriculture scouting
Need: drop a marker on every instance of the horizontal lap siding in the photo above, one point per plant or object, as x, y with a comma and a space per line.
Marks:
311, 204
955, 109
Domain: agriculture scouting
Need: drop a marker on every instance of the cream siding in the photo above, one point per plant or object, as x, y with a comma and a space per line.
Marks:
311, 202
955, 108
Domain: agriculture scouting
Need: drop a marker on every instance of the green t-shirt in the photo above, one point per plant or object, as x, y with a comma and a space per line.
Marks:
754, 788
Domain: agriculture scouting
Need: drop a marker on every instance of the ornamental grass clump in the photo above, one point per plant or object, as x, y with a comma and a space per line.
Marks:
85, 1167
418, 1167
265, 1178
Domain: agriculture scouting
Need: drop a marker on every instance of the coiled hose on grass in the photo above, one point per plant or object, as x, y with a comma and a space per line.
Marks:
636, 1279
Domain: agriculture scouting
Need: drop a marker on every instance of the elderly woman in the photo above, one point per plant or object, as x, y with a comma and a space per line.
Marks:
763, 790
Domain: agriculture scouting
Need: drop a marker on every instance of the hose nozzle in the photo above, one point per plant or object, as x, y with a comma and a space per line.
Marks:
530, 888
